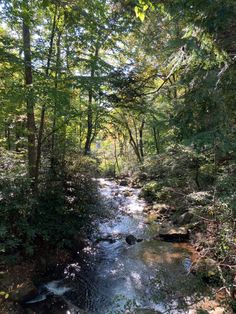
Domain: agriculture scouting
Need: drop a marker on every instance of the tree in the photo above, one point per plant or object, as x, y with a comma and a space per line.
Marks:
29, 92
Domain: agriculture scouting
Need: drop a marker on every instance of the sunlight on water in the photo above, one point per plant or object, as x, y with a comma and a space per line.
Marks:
56, 288
112, 276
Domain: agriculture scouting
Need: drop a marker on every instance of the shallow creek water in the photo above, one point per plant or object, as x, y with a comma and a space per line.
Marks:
111, 276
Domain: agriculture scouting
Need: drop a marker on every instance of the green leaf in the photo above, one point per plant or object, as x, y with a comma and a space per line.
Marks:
136, 10
142, 16
139, 13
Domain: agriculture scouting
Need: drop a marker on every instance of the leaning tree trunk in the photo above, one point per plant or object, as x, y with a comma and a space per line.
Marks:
29, 101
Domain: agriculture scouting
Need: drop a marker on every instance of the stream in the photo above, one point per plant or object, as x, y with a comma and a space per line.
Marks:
111, 276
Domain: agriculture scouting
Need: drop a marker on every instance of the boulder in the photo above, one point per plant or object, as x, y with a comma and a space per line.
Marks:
127, 193
161, 208
123, 182
153, 216
184, 219
170, 233
130, 239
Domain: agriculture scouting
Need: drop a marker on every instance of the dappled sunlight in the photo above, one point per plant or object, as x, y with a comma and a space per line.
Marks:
72, 270
136, 277
109, 267
117, 139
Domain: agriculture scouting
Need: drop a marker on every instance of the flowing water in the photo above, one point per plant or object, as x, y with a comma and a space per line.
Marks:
111, 276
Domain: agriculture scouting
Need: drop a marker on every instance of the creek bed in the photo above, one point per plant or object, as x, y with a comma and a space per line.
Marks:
111, 276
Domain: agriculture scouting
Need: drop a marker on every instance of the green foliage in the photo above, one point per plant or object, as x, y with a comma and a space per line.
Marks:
149, 191
177, 167
16, 201
152, 84
27, 221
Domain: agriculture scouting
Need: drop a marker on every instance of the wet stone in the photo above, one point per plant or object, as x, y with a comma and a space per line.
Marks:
130, 239
170, 233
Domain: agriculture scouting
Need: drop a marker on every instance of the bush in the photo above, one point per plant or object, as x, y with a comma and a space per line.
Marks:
179, 166
16, 204
149, 191
62, 207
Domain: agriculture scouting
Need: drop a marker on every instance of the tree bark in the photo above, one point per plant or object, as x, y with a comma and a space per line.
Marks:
87, 147
43, 110
116, 157
29, 101
134, 144
57, 75
141, 139
156, 137
8, 135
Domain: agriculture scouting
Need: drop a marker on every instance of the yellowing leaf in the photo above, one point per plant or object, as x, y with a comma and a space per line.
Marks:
141, 16
136, 10
139, 13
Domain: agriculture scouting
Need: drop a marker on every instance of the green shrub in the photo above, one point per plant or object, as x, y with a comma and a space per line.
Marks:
179, 166
61, 208
16, 204
149, 191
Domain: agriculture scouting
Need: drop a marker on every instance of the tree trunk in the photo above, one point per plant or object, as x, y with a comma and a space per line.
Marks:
141, 139
156, 139
87, 148
43, 110
57, 75
8, 135
29, 101
134, 145
116, 157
